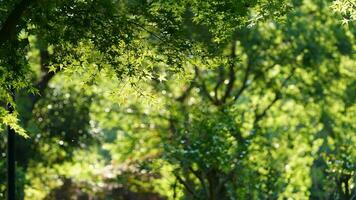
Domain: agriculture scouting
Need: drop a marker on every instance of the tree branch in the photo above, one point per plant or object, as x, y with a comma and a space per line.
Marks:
278, 95
46, 77
9, 27
190, 190
187, 91
220, 81
269, 106
244, 82
232, 76
201, 179
204, 88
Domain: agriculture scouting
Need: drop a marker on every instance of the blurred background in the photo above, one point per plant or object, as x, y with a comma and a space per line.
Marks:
185, 100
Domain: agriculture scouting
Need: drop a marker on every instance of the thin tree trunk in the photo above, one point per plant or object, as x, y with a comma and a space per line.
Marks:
11, 176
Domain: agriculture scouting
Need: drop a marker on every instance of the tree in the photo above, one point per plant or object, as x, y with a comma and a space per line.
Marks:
221, 79
221, 126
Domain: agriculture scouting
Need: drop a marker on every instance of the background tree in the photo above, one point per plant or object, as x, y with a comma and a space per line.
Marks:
260, 104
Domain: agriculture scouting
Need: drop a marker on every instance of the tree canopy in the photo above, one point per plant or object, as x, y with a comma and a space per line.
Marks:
164, 99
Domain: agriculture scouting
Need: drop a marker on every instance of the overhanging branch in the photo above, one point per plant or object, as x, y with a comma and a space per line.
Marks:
9, 27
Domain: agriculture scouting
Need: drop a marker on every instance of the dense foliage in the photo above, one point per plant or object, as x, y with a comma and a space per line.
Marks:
180, 99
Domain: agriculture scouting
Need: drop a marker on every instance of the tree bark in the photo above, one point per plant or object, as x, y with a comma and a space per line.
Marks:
11, 176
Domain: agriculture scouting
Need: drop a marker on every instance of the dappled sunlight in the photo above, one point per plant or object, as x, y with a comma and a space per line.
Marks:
177, 100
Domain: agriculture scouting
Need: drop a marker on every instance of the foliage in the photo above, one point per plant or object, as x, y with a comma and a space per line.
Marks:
180, 99
346, 8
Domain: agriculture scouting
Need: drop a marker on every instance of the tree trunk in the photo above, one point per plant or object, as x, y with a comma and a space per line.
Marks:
11, 176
